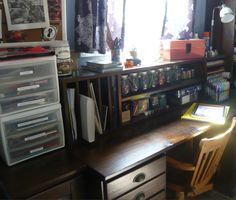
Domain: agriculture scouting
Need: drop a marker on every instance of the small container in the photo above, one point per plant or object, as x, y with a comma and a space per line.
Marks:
134, 82
152, 79
193, 73
161, 77
168, 74
125, 88
177, 73
143, 80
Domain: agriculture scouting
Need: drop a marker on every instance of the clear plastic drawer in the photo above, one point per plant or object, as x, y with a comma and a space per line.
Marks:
27, 68
25, 102
28, 134
16, 89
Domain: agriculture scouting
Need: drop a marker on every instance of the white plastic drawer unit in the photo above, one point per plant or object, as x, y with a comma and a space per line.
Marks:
27, 84
29, 134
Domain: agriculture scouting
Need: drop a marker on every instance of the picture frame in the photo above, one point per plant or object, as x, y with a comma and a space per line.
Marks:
30, 14
43, 43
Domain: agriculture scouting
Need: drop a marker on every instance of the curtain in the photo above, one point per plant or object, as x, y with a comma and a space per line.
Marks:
179, 19
90, 25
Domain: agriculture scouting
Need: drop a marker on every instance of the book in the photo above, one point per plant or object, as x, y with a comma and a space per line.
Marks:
117, 68
71, 103
98, 123
102, 64
215, 114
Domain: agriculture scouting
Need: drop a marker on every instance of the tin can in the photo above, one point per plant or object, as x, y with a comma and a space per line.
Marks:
143, 80
152, 78
161, 77
62, 52
125, 89
134, 82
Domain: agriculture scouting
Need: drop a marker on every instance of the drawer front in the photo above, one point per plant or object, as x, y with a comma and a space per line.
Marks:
136, 178
147, 190
30, 122
28, 101
159, 196
29, 134
27, 69
17, 89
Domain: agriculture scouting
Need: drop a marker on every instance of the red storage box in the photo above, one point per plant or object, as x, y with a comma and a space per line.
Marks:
183, 49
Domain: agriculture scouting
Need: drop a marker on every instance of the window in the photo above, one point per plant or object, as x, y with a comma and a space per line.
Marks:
146, 22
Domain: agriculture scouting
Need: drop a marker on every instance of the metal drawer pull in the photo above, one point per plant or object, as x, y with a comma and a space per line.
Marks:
139, 178
140, 196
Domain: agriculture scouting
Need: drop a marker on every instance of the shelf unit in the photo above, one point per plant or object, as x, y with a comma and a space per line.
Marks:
108, 91
166, 88
106, 87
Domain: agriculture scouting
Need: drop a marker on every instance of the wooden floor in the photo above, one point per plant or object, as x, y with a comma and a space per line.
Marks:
213, 195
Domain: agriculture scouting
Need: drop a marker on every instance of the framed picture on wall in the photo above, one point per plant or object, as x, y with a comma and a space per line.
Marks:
26, 14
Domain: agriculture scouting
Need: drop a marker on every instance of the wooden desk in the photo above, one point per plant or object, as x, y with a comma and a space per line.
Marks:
122, 152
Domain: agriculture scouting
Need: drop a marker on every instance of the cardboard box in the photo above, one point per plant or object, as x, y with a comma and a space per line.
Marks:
183, 49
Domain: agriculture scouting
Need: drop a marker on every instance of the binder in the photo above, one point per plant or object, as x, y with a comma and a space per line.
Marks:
87, 110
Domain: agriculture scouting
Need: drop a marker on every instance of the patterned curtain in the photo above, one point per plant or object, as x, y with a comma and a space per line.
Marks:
90, 25
179, 19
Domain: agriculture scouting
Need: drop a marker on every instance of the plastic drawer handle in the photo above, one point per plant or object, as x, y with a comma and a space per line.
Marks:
36, 150
26, 103
140, 196
24, 73
20, 89
34, 137
27, 123
139, 178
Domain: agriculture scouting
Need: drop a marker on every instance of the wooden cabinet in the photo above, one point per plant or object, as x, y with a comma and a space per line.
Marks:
145, 181
73, 189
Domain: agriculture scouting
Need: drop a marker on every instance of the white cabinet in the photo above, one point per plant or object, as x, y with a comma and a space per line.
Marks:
30, 113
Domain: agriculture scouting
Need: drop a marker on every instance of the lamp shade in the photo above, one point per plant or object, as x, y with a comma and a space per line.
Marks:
226, 14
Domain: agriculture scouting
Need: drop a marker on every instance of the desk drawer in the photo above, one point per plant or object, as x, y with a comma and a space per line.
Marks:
136, 178
24, 69
159, 196
147, 190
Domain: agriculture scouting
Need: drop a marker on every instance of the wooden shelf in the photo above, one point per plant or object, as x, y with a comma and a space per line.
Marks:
161, 89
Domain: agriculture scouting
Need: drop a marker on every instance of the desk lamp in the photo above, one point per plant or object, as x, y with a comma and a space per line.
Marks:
226, 16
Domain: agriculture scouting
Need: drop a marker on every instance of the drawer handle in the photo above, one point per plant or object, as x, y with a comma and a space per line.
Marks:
39, 135
27, 123
140, 196
20, 89
24, 73
26, 103
139, 178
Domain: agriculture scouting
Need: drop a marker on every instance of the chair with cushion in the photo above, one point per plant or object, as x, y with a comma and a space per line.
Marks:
201, 170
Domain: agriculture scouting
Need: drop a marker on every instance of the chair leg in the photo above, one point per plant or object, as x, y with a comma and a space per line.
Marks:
180, 195
199, 190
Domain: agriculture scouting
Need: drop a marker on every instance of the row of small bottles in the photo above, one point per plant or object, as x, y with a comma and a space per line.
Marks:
153, 78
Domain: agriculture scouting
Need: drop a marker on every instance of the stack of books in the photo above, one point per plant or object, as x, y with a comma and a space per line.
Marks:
102, 66
215, 114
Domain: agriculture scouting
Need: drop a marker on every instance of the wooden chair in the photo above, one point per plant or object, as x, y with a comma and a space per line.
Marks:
204, 165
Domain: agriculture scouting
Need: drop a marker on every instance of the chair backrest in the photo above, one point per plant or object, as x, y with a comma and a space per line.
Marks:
210, 153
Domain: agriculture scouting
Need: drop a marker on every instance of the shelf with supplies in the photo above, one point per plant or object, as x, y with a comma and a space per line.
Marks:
152, 91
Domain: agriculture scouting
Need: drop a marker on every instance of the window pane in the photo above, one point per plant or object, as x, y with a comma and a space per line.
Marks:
143, 27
